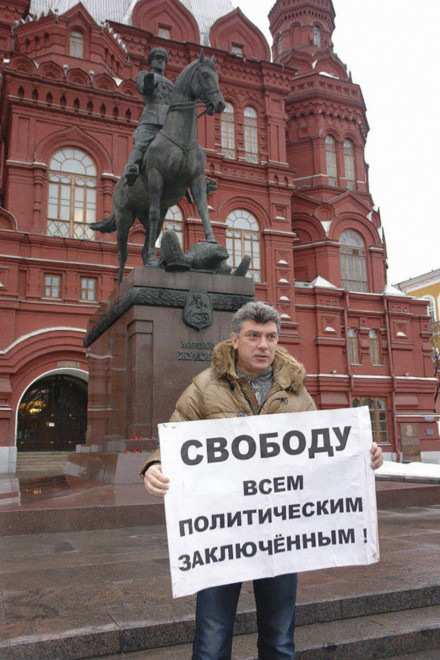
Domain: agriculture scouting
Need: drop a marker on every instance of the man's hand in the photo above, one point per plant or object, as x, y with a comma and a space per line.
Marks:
376, 456
155, 482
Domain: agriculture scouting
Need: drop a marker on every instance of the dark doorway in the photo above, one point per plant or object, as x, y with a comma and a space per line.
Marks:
53, 415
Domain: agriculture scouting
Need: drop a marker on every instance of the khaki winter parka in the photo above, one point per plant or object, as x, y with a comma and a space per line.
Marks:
218, 392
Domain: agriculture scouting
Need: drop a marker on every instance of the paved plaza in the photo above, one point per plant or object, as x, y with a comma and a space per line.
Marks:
83, 594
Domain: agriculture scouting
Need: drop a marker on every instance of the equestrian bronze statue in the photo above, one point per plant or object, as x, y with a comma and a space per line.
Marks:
173, 163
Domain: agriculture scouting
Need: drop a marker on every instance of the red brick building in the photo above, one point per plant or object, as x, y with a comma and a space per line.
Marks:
288, 156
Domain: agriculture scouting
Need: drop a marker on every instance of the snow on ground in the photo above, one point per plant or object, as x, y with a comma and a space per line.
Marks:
411, 471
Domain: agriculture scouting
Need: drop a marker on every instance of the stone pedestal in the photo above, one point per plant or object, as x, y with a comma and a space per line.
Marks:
142, 354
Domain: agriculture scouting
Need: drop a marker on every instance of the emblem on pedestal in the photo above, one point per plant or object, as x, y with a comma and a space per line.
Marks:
198, 313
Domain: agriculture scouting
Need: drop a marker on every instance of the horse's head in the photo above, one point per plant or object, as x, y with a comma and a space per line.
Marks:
205, 85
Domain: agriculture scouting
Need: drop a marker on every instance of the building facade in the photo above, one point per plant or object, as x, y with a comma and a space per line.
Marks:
288, 158
427, 287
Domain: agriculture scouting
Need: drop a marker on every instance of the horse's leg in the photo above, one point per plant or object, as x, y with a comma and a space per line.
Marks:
144, 223
163, 212
198, 189
155, 185
123, 224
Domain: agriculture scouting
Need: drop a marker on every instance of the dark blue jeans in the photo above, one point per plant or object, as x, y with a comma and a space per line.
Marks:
215, 614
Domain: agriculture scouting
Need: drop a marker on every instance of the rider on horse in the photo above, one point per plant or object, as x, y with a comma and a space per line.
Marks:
174, 163
156, 91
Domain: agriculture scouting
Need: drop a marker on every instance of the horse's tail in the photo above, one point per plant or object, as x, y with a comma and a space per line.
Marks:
106, 226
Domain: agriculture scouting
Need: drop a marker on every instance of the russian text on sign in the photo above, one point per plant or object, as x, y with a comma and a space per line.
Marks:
262, 516
272, 546
254, 497
244, 447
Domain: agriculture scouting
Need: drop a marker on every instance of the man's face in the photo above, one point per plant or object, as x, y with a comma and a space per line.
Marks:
255, 346
158, 63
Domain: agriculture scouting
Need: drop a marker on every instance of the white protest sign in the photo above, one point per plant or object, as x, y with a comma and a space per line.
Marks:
254, 497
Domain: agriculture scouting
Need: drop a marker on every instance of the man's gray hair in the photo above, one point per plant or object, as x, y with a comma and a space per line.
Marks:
255, 311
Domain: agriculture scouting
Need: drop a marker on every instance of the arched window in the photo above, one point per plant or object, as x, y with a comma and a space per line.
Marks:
251, 135
173, 220
228, 131
378, 416
316, 36
375, 355
279, 45
349, 163
72, 194
353, 346
330, 158
77, 44
243, 237
353, 262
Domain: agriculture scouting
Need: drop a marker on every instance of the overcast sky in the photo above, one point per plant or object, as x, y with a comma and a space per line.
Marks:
392, 48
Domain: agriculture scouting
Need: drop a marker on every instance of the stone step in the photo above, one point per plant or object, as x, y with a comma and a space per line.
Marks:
183, 652
42, 462
433, 654
366, 627
413, 635
143, 445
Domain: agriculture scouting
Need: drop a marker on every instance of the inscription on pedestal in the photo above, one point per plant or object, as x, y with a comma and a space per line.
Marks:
195, 351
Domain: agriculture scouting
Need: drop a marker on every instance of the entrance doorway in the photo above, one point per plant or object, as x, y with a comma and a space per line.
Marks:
52, 415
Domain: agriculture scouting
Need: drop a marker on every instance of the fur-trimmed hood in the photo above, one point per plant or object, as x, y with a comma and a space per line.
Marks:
287, 372
217, 393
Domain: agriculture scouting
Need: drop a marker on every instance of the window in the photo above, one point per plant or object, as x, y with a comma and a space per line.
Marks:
228, 131
349, 163
173, 220
52, 286
378, 416
316, 36
251, 135
88, 289
77, 44
330, 158
353, 262
375, 354
164, 32
243, 237
72, 195
430, 309
237, 49
353, 346
279, 45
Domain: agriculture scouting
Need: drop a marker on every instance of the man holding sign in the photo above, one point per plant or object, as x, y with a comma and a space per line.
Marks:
249, 375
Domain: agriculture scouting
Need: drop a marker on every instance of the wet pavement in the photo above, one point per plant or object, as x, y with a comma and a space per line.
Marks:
97, 578
110, 580
32, 503
28, 491
63, 497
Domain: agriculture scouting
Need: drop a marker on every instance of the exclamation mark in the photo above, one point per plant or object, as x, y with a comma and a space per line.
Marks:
365, 534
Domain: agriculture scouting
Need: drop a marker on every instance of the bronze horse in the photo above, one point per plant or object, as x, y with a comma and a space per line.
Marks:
173, 163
